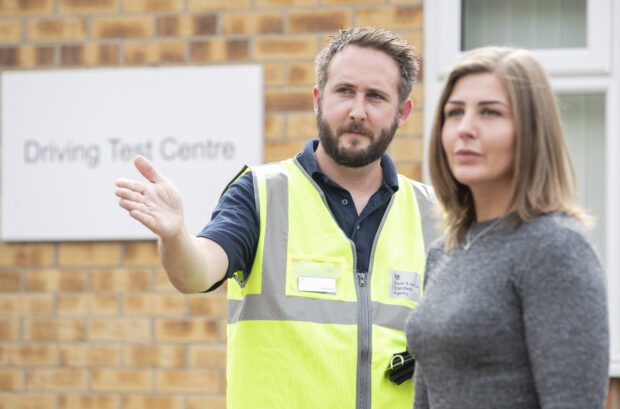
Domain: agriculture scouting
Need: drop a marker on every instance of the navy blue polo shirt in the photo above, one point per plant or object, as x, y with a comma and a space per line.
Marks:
235, 222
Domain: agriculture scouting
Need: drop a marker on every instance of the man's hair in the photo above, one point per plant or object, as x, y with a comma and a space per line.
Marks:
376, 39
543, 178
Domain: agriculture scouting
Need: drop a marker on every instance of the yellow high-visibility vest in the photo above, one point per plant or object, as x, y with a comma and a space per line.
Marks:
307, 330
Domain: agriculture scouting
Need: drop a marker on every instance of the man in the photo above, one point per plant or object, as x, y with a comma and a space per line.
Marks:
326, 250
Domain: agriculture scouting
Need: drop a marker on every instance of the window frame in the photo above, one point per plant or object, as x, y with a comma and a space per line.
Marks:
595, 58
595, 68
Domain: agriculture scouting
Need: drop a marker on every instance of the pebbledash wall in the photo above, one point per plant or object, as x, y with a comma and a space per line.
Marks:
97, 324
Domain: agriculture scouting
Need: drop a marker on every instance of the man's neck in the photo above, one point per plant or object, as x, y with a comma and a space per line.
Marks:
361, 182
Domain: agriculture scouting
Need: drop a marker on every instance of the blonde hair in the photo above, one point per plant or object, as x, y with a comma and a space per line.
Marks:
543, 174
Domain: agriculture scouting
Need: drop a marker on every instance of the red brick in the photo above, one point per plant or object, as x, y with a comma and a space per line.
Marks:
285, 100
285, 48
273, 74
285, 3
34, 355
154, 304
404, 17
88, 6
89, 355
205, 24
211, 402
9, 330
413, 126
186, 330
55, 280
153, 402
207, 356
23, 305
151, 53
88, 402
121, 280
87, 304
313, 21
219, 50
55, 29
302, 125
127, 27
253, 23
218, 4
121, 329
10, 31
196, 381
114, 380
411, 170
150, 6
26, 7
11, 379
23, 254
280, 150
45, 56
72, 55
54, 330
89, 253
274, 126
56, 379
10, 281
140, 253
30, 401
207, 304
301, 74
157, 356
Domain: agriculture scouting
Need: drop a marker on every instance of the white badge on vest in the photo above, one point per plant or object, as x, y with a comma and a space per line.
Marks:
405, 284
325, 285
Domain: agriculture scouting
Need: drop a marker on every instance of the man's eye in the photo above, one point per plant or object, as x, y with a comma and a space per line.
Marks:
344, 90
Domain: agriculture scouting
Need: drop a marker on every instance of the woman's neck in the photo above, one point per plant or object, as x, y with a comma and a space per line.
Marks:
491, 202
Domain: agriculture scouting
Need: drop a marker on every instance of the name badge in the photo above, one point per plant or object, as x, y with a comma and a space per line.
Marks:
325, 285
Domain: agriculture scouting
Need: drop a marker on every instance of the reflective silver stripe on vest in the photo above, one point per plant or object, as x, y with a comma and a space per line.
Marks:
427, 205
279, 307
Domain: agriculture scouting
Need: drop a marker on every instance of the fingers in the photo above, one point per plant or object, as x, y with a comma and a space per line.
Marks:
146, 168
145, 219
130, 185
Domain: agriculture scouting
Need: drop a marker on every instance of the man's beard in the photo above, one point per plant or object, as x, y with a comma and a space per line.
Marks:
354, 158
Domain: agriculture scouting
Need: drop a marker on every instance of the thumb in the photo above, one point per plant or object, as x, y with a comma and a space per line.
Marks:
146, 168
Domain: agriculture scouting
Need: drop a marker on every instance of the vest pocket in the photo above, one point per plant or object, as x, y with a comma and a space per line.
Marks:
315, 277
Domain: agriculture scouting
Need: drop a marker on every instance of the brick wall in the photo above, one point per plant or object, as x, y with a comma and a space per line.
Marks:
97, 325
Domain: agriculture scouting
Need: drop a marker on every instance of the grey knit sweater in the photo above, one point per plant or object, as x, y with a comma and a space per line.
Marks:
519, 320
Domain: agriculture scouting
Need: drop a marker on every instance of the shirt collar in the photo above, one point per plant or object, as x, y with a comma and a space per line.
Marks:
307, 160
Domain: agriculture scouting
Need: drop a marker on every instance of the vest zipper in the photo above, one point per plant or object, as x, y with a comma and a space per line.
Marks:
362, 278
364, 343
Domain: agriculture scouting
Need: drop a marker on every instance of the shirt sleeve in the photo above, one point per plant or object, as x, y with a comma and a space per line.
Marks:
420, 400
234, 225
563, 295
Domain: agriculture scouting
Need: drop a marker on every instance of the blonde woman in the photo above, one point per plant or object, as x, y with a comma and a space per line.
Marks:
514, 311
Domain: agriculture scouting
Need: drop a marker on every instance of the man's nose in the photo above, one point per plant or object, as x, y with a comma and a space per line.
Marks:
358, 109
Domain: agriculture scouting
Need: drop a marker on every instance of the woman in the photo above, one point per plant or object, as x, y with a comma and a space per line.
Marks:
514, 311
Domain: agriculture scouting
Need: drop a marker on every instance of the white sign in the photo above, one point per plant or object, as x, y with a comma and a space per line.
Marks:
66, 136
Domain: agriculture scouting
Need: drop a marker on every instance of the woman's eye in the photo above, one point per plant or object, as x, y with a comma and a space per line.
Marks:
491, 112
453, 112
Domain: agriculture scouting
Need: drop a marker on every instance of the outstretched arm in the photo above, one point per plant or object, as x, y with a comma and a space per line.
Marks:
193, 264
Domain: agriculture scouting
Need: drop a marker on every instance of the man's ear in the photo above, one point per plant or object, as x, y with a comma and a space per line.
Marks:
404, 110
316, 99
